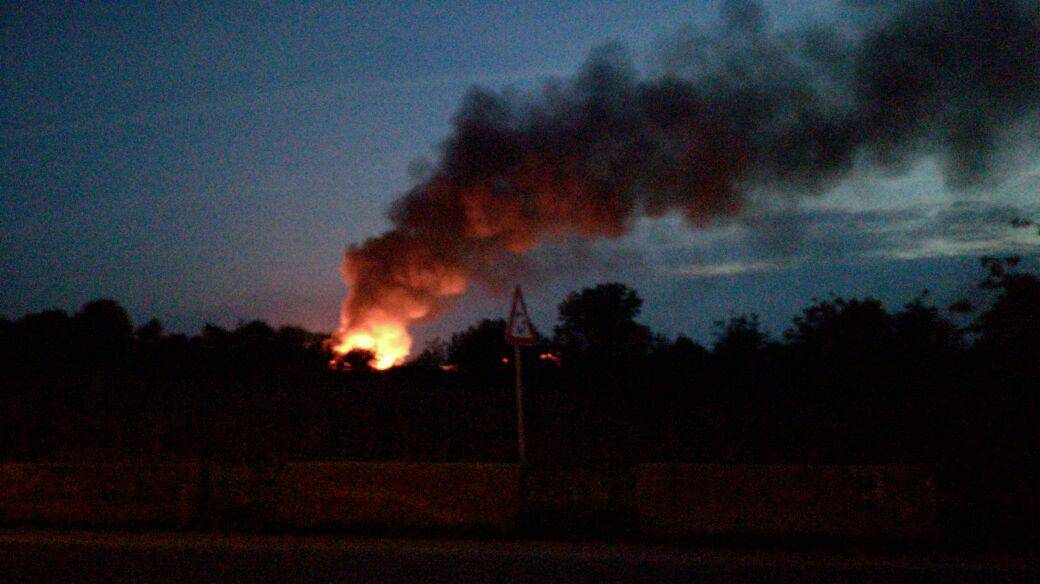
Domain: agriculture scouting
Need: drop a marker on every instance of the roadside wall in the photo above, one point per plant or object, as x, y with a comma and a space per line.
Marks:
653, 500
576, 501
683, 500
99, 494
990, 502
241, 496
400, 496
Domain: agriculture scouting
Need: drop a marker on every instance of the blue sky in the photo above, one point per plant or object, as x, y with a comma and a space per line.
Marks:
210, 164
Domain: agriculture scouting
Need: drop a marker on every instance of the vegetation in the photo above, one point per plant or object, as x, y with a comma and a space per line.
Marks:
849, 382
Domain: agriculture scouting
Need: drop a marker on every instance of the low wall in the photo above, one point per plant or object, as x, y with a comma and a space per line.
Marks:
99, 494
654, 500
576, 501
991, 502
241, 495
677, 500
400, 496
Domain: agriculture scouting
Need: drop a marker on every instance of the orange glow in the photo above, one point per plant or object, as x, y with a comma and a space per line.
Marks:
395, 282
389, 341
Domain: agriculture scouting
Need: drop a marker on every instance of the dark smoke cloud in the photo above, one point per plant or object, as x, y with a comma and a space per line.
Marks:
739, 108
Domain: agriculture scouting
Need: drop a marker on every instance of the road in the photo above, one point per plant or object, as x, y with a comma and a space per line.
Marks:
80, 556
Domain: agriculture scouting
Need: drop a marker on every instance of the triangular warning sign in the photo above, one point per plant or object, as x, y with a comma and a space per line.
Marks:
519, 331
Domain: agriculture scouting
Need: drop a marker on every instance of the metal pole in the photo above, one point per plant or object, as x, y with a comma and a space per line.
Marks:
521, 450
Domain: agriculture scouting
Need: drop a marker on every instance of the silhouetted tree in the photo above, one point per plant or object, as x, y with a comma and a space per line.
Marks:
8, 340
738, 357
254, 346
1012, 322
45, 339
148, 347
480, 348
359, 360
301, 348
212, 350
104, 332
683, 350
1007, 404
740, 338
843, 331
150, 332
214, 338
676, 366
922, 332
597, 327
433, 356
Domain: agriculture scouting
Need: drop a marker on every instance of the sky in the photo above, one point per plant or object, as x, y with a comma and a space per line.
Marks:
211, 163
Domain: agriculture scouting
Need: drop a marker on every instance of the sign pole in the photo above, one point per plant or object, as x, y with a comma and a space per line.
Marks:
521, 438
519, 331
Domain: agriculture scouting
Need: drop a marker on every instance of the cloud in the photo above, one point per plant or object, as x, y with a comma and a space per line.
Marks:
732, 268
963, 229
782, 240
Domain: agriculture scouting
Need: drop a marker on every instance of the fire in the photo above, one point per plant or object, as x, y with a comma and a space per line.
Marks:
395, 281
389, 341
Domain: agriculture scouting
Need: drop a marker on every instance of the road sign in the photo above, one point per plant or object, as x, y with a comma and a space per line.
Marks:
519, 331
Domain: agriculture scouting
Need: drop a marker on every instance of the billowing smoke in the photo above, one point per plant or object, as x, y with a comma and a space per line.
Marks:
739, 108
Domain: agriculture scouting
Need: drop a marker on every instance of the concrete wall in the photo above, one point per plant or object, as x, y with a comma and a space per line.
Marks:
400, 496
99, 494
677, 500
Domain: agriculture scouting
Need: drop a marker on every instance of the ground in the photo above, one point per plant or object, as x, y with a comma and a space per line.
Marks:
71, 556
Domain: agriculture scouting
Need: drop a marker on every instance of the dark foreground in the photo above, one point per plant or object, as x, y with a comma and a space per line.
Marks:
53, 556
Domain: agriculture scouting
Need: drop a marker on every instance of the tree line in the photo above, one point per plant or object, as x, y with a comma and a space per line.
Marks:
849, 381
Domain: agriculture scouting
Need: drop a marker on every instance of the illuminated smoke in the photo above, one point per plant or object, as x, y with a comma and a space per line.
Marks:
741, 107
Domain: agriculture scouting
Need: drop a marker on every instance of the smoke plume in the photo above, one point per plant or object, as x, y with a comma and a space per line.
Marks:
740, 107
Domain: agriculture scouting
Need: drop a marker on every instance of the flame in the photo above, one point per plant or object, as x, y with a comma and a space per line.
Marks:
388, 340
395, 281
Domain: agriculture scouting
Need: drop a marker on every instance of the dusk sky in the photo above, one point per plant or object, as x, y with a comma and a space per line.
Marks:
211, 165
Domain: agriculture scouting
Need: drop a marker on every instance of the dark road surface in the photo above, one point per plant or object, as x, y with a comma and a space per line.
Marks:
78, 556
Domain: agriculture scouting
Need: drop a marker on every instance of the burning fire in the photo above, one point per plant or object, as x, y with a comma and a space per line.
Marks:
396, 281
389, 341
